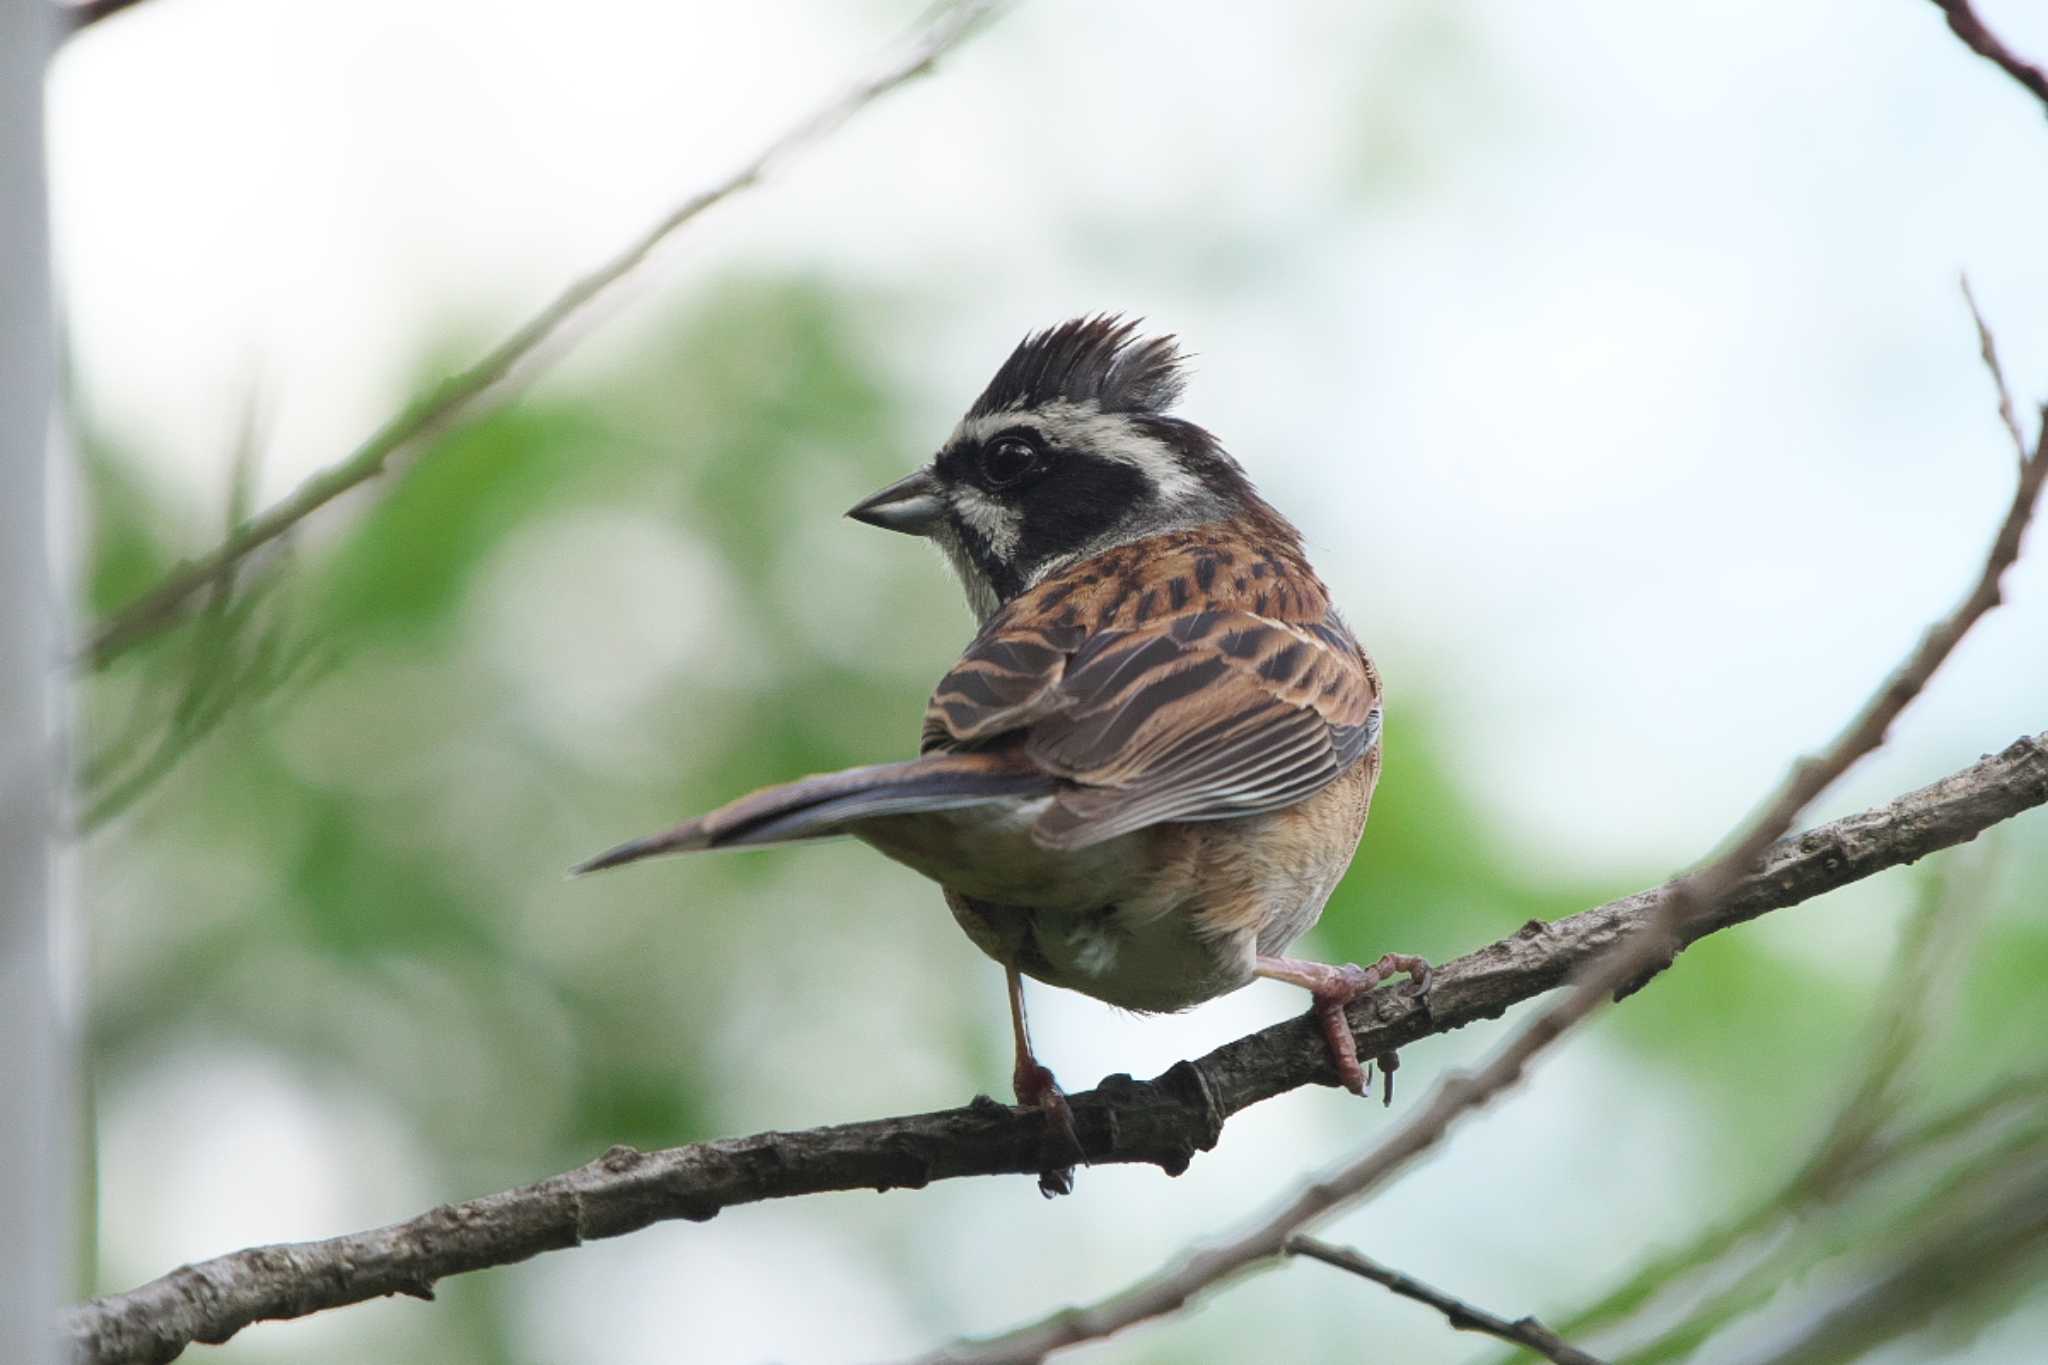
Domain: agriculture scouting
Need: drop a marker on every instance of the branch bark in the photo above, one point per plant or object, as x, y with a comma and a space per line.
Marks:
1163, 1122
163, 605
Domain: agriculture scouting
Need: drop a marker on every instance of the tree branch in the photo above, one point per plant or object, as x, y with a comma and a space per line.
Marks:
1462, 1316
1963, 21
1162, 1122
159, 607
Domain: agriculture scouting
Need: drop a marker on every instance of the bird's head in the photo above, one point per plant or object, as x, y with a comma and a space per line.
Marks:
1069, 451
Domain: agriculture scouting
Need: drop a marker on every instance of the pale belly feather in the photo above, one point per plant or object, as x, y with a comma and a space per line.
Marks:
1156, 920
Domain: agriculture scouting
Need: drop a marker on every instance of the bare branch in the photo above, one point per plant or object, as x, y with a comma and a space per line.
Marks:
1164, 1121
1462, 1316
1988, 347
166, 603
1649, 947
1963, 20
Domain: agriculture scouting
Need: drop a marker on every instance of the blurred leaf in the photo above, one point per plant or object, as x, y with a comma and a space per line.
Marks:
129, 524
403, 567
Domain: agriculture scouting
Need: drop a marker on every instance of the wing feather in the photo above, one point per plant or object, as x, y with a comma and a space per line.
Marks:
1007, 679
1210, 715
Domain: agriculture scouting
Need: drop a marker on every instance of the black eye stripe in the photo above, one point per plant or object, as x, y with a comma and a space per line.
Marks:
1028, 488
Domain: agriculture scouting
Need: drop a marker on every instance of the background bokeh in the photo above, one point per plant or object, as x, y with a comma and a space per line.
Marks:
1610, 357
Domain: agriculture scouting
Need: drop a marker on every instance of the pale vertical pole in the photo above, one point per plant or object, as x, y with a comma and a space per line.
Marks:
38, 1187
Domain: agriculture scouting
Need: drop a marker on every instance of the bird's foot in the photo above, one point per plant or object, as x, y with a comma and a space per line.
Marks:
1334, 988
1036, 1089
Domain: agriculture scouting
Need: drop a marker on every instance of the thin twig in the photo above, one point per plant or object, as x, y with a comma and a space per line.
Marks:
1989, 349
1981, 1247
1462, 1316
1646, 951
80, 14
164, 604
1810, 1250
1164, 1121
1914, 1003
1963, 20
217, 666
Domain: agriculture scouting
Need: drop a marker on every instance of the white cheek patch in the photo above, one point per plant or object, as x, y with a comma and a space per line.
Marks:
1000, 526
981, 594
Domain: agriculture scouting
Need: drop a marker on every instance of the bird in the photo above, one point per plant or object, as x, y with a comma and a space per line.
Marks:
1152, 764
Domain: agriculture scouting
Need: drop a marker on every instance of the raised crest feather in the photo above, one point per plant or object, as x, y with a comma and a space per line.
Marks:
1100, 360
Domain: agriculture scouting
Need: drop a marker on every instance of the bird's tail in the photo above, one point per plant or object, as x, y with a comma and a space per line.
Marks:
817, 807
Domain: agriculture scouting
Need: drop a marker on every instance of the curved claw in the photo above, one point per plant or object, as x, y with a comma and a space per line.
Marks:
1036, 1089
1333, 988
1421, 976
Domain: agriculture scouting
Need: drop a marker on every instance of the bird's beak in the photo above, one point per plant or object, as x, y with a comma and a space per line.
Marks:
911, 505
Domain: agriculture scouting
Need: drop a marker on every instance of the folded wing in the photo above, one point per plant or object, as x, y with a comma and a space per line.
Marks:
1206, 716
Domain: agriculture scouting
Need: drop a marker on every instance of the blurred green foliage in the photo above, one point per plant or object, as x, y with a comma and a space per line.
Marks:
598, 608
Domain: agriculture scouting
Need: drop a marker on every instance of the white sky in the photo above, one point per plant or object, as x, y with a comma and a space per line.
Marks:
1634, 408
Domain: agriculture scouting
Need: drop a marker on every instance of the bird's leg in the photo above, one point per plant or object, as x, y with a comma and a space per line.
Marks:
1036, 1089
1335, 987
1035, 1086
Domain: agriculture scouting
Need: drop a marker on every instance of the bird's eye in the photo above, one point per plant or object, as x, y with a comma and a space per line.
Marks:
1007, 460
